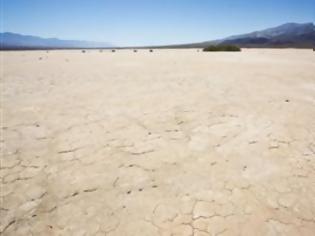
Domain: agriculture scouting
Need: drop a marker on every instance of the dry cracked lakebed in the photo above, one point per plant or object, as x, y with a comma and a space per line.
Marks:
175, 142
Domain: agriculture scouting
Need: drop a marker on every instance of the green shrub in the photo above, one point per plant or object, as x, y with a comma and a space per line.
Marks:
222, 48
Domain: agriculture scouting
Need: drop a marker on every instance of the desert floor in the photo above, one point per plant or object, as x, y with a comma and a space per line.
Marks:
174, 142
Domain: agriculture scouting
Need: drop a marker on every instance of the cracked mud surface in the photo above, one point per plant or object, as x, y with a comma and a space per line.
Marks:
164, 143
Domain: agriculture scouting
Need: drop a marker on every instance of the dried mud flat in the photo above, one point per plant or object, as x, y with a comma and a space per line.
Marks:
174, 142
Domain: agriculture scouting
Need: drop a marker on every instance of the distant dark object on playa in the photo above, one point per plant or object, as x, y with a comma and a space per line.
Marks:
113, 50
151, 50
83, 51
222, 48
135, 51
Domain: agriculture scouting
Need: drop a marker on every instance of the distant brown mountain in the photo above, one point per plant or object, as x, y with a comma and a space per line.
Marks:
287, 35
17, 41
290, 35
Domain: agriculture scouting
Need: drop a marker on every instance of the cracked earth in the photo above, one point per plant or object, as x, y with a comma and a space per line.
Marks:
174, 142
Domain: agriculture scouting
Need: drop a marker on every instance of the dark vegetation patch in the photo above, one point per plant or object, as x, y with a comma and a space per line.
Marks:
222, 48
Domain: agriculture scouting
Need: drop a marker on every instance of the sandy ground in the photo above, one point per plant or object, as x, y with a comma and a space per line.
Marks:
174, 142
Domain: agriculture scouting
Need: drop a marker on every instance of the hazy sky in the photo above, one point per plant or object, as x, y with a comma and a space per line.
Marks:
149, 22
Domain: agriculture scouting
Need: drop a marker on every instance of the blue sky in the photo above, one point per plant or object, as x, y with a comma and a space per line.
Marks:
149, 22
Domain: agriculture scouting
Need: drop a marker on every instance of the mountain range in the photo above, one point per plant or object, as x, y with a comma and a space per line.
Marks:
293, 35
288, 35
17, 41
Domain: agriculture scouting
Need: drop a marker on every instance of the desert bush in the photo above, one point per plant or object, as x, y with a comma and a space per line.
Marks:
83, 51
113, 50
151, 50
135, 51
222, 48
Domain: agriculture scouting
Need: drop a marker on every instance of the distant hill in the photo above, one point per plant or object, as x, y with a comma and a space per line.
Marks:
288, 35
18, 41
